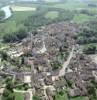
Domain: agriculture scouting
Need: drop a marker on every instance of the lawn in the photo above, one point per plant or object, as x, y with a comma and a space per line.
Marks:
19, 96
52, 14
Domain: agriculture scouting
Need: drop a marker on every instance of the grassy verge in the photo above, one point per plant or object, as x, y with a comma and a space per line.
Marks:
79, 98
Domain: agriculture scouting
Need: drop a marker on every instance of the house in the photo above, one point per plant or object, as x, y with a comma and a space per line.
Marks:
60, 84
74, 92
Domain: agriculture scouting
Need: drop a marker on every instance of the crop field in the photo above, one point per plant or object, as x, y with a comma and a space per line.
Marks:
21, 8
69, 5
80, 18
52, 14
14, 23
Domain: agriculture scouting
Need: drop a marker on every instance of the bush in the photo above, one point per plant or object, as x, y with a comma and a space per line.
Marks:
56, 65
21, 34
36, 97
10, 37
16, 36
4, 55
91, 49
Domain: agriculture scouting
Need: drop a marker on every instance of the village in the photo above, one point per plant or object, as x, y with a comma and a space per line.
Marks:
49, 61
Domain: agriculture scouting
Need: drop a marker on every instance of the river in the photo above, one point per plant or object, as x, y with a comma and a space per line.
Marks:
7, 12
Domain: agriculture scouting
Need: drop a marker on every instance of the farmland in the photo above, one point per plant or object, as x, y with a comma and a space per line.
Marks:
15, 22
21, 12
80, 18
52, 14
19, 8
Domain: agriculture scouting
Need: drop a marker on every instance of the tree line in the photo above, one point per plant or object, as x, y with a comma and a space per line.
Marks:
36, 20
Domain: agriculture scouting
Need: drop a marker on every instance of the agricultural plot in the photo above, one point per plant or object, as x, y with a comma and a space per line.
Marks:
14, 23
20, 8
80, 18
52, 14
69, 5
22, 11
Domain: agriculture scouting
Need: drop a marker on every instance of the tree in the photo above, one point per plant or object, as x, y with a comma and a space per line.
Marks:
90, 49
92, 92
56, 65
36, 98
4, 55
10, 37
2, 15
15, 36
8, 93
22, 60
22, 33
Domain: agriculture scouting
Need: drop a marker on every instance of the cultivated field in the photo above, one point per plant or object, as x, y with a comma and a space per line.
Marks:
52, 14
20, 8
23, 10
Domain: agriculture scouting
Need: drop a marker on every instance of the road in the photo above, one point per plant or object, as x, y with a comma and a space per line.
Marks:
65, 64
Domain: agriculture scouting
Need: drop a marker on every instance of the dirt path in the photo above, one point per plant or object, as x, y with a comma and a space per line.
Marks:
65, 64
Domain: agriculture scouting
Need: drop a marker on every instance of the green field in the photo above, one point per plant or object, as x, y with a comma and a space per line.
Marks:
52, 14
14, 23
80, 18
70, 5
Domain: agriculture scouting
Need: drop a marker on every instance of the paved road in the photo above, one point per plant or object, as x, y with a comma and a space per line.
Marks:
65, 64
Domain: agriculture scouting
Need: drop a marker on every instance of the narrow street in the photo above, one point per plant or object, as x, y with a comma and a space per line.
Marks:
65, 64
